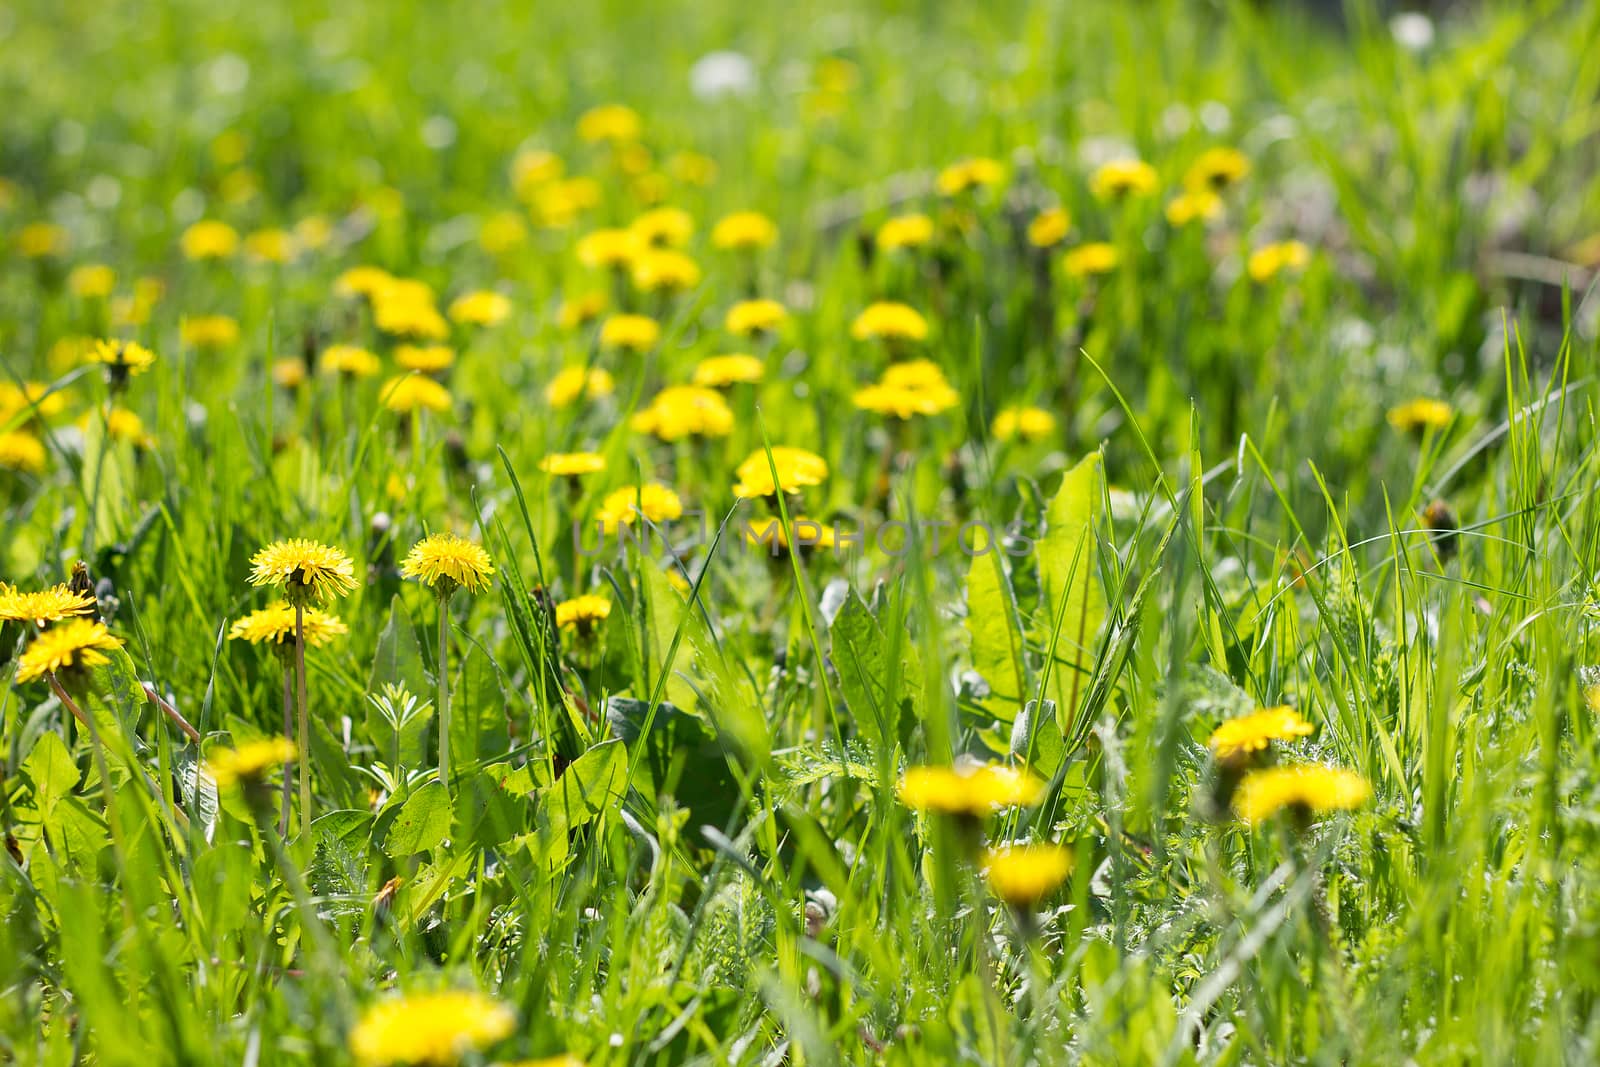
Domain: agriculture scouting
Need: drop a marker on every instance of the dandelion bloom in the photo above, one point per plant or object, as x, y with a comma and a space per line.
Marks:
21, 452
906, 389
91, 281
250, 762
744, 230
501, 233
444, 561
664, 271
362, 281
610, 122
1217, 168
969, 174
968, 791
654, 501
572, 464
37, 398
274, 625
312, 233
209, 239
636, 333
904, 231
125, 425
732, 369
45, 606
889, 321
405, 308
1245, 734
669, 226
749, 318
1421, 414
348, 360
406, 393
1268, 261
307, 571
270, 246
1049, 227
123, 358
796, 469
1306, 789
429, 1029
680, 411
1023, 875
576, 382
608, 248
1195, 205
289, 373
1028, 423
580, 310
532, 169
807, 532
483, 307
209, 331
74, 643
582, 612
428, 359
1096, 257
1123, 177
40, 239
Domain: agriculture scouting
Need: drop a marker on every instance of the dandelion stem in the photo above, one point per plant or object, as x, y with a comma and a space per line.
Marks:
443, 669
305, 717
288, 728
99, 472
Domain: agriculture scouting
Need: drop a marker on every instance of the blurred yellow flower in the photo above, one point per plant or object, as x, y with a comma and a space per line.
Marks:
580, 310
1123, 177
209, 239
21, 452
270, 246
796, 469
533, 168
744, 229
887, 320
1250, 733
289, 372
349, 360
582, 612
209, 331
428, 359
636, 333
609, 248
125, 425
482, 307
405, 308
1087, 260
40, 239
123, 358
1023, 875
917, 387
680, 411
1306, 789
661, 271
1195, 205
664, 226
362, 281
37, 398
572, 464
275, 625
73, 643
974, 173
1268, 261
616, 123
968, 791
1049, 227
1028, 423
575, 382
1216, 168
905, 231
748, 318
91, 281
406, 393
429, 1029
654, 501
732, 369
1421, 414
501, 233
692, 168
249, 762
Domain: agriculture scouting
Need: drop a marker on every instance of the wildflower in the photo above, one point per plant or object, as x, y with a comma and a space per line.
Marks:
74, 643
209, 331
405, 308
608, 248
1195, 205
362, 281
1268, 261
749, 318
134, 309
906, 389
406, 393
718, 371
574, 383
38, 240
484, 307
1023, 875
656, 271
1049, 227
889, 321
532, 168
274, 625
905, 231
125, 425
744, 230
312, 233
664, 226
348, 360
1421, 414
808, 534
21, 452
636, 333
1306, 789
969, 174
1251, 733
501, 233
308, 571
36, 398
123, 359
426, 359
796, 469
1096, 257
289, 373
429, 1029
616, 123
1123, 177
1216, 168
692, 168
248, 763
91, 281
444, 561
1028, 423
46, 606
681, 411
209, 239
581, 613
580, 310
572, 464
654, 501
270, 246
968, 791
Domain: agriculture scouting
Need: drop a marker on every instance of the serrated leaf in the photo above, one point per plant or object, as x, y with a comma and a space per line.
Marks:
996, 642
478, 730
52, 770
1072, 605
860, 653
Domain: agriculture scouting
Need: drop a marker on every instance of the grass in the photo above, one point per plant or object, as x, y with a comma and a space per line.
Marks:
672, 835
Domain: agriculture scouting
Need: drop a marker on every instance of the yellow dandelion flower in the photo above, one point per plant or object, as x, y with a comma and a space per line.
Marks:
968, 791
250, 762
572, 464
1268, 261
123, 358
405, 308
274, 625
609, 248
406, 393
1049, 227
45, 606
970, 174
1307, 789
74, 643
732, 369
1195, 205
1217, 168
209, 331
660, 271
446, 562
289, 373
917, 387
1023, 875
91, 281
1122, 178
1250, 733
581, 613
808, 533
681, 411
362, 281
22, 453
348, 360
796, 469
574, 383
483, 307
312, 233
636, 333
744, 230
1087, 260
580, 310
749, 318
209, 239
1027, 423
429, 1029
905, 231
670, 227
428, 359
616, 123
270, 246
125, 425
654, 501
306, 570
889, 321
501, 233
36, 398
532, 169
38, 240
1421, 414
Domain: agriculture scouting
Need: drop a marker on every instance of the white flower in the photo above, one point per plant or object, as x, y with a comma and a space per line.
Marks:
718, 74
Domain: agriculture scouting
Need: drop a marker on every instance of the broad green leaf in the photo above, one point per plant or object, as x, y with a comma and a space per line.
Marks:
681, 757
478, 729
877, 696
1072, 604
995, 641
419, 824
52, 770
